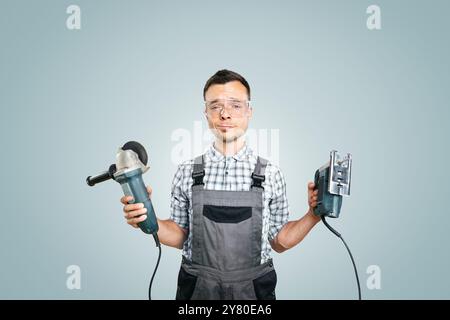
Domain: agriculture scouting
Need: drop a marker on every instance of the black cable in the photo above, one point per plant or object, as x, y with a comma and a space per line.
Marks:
349, 252
155, 236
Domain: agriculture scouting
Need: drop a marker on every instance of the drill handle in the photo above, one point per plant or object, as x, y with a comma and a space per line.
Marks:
92, 181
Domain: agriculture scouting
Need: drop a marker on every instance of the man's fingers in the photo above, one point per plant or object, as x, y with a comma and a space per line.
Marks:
136, 220
133, 206
312, 194
126, 199
135, 213
312, 198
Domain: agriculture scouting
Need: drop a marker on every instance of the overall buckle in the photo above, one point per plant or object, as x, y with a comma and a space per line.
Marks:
258, 180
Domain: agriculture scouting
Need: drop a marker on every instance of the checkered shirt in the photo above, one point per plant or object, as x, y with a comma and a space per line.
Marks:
232, 173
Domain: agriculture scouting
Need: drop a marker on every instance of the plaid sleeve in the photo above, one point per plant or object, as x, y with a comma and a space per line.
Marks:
179, 202
278, 205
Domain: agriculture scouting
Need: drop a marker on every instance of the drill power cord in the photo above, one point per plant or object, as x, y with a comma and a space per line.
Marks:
158, 244
349, 252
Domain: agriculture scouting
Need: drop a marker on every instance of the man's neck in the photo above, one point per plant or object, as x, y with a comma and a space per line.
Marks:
229, 148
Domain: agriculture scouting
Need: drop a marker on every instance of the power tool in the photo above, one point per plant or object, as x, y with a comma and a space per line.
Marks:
332, 181
131, 163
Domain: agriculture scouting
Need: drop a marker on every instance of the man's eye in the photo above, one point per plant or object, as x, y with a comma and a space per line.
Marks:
237, 106
215, 107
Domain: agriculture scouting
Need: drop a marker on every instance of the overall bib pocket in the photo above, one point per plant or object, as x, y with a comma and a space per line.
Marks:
223, 214
228, 237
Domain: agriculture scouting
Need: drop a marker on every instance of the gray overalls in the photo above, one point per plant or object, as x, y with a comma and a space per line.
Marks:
226, 243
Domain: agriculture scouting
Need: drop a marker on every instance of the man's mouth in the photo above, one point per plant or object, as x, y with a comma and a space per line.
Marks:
224, 126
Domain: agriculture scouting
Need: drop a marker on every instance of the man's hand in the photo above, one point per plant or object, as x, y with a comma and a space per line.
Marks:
312, 200
134, 213
312, 195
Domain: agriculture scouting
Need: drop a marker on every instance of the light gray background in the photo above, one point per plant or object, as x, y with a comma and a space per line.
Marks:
136, 70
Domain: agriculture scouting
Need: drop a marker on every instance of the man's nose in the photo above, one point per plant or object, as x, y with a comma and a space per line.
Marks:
224, 114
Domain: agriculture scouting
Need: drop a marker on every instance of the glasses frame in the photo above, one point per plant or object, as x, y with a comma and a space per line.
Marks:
207, 103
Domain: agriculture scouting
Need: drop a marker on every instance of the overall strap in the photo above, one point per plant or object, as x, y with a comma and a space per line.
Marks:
258, 175
198, 172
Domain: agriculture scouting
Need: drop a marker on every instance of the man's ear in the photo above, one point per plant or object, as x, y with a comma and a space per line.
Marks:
250, 115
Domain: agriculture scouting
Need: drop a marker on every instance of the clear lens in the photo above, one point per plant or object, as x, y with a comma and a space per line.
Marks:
234, 107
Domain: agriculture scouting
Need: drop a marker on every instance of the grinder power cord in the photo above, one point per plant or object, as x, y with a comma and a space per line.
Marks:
131, 163
333, 181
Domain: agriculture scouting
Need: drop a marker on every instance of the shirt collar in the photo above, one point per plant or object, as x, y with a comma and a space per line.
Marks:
241, 155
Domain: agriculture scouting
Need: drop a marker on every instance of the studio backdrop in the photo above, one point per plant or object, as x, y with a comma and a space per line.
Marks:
80, 78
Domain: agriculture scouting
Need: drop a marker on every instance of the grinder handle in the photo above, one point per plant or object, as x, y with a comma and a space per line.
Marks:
135, 187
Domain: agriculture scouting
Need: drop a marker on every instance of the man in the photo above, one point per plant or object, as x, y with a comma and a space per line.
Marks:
228, 206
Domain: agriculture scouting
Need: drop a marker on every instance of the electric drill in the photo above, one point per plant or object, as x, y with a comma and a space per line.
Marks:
131, 163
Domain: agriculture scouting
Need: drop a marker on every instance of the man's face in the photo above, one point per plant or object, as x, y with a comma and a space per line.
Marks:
227, 110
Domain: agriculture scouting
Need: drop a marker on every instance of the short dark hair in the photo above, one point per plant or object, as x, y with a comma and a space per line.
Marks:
224, 76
